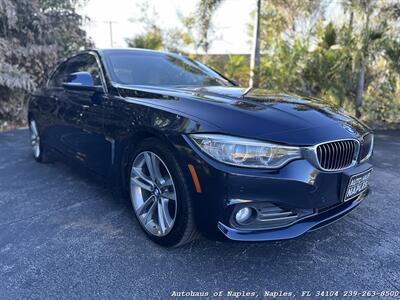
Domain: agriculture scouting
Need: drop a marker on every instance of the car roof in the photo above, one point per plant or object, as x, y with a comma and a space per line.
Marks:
129, 50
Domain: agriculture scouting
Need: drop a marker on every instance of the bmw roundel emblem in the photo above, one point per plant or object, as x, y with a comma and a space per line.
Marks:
349, 129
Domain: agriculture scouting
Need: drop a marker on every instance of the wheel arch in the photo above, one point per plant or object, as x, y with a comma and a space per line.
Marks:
128, 146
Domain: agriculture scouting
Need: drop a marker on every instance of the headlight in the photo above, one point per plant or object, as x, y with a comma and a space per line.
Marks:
245, 152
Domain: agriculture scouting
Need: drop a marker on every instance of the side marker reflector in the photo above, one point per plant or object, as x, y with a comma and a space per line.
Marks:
195, 178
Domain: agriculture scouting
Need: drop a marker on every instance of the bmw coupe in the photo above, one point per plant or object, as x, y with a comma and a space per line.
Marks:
196, 152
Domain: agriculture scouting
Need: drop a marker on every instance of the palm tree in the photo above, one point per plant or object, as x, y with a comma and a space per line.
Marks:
364, 8
255, 54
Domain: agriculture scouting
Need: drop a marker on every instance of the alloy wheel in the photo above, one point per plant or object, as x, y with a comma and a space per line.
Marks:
153, 194
35, 139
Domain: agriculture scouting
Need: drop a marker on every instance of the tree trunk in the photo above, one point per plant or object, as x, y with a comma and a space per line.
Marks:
360, 88
351, 20
255, 54
363, 62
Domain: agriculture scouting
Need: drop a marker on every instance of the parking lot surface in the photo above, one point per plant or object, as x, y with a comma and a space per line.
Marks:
64, 235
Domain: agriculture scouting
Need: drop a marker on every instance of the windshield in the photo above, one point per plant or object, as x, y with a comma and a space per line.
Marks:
160, 69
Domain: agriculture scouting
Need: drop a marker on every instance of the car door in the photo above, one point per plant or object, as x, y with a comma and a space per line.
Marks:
66, 128
50, 107
83, 116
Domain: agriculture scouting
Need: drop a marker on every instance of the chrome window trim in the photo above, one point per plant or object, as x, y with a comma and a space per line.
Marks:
102, 77
53, 73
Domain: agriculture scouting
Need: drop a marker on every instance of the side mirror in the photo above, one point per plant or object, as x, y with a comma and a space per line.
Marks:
81, 81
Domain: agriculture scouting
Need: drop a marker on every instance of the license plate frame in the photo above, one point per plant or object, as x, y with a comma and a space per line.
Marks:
357, 184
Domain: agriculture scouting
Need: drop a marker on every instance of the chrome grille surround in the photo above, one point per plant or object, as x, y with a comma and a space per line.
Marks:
366, 147
337, 155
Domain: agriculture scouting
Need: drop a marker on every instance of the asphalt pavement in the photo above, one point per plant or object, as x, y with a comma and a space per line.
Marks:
64, 235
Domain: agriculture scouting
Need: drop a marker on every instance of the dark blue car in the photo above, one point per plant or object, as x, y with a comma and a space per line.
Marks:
198, 153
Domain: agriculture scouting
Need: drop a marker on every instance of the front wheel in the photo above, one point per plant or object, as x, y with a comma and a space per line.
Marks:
39, 151
160, 196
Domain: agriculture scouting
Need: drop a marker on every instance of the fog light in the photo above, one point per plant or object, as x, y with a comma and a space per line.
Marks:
243, 215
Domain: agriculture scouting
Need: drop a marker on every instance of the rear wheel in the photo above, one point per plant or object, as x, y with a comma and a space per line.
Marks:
39, 151
160, 196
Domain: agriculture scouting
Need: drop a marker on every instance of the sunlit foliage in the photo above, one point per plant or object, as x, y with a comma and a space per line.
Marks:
34, 35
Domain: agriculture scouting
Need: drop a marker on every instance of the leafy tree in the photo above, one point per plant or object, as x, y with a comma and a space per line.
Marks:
373, 19
354, 62
345, 62
150, 40
328, 71
198, 31
237, 68
199, 24
392, 54
34, 35
233, 66
154, 36
284, 50
65, 24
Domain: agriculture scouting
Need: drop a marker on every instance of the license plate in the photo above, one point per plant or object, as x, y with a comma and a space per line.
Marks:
357, 184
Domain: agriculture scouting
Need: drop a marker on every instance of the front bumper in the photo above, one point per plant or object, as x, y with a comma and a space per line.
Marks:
316, 195
292, 231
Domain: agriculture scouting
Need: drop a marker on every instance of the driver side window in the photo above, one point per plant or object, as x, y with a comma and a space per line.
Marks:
79, 63
58, 76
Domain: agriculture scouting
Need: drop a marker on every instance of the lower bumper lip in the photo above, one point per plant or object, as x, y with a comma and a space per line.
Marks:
308, 224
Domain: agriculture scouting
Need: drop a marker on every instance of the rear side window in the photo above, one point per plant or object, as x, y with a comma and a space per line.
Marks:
79, 63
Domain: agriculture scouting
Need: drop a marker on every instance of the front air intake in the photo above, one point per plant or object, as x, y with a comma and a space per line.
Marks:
276, 216
266, 215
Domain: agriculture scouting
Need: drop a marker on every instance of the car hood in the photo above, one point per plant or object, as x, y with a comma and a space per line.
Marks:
254, 113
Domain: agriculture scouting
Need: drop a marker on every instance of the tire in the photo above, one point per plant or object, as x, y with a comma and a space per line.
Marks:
152, 196
39, 150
